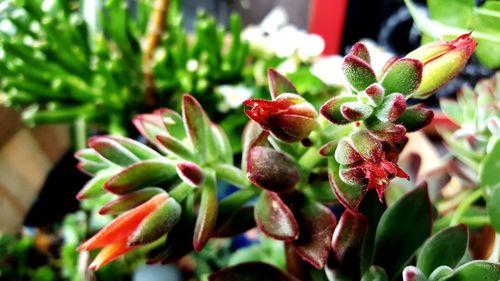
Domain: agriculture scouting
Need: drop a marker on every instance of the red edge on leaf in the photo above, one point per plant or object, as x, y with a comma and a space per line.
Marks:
283, 207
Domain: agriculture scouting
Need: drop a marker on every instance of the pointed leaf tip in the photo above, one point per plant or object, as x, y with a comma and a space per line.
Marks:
358, 73
279, 84
274, 218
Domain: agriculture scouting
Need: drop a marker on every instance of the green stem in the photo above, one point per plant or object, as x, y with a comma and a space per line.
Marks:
462, 207
80, 133
231, 174
181, 191
310, 158
236, 200
475, 221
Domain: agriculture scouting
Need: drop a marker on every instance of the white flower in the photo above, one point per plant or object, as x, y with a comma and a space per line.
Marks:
233, 96
329, 70
311, 46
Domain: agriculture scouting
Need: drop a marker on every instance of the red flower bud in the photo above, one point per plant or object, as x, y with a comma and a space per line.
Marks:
289, 117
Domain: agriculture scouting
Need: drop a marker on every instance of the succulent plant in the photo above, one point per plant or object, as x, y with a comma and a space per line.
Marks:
299, 168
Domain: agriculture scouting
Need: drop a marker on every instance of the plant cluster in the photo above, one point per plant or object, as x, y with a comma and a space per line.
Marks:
318, 180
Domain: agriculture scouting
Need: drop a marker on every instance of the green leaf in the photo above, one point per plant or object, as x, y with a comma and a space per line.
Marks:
94, 187
475, 270
196, 125
446, 247
452, 110
174, 147
207, 213
331, 109
358, 73
157, 224
279, 84
348, 195
456, 13
112, 151
415, 118
129, 201
403, 76
274, 218
440, 273
140, 150
139, 175
493, 207
489, 177
252, 271
374, 273
401, 231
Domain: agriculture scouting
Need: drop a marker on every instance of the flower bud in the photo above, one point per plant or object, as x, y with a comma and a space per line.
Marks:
442, 62
289, 117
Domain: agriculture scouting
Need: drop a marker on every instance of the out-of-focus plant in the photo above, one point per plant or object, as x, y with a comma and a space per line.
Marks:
475, 143
57, 69
449, 18
299, 166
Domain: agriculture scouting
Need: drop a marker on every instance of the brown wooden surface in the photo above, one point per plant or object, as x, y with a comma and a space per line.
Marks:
26, 157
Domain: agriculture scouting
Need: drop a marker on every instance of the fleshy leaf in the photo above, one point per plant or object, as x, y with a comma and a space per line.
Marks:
279, 84
329, 148
358, 73
361, 51
140, 150
403, 227
348, 195
355, 111
156, 224
374, 273
150, 126
404, 76
252, 271
345, 154
239, 222
372, 95
253, 135
94, 187
222, 143
271, 170
411, 273
388, 132
129, 201
113, 151
196, 125
141, 174
173, 123
207, 213
441, 273
446, 247
274, 218
316, 226
331, 109
190, 173
347, 242
392, 107
476, 270
415, 118
175, 147
366, 145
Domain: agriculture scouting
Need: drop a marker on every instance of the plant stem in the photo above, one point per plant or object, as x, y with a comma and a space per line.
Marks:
310, 158
462, 207
80, 133
181, 191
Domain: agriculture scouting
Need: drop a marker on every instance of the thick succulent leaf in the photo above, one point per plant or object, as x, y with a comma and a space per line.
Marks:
331, 109
361, 51
157, 224
150, 126
345, 154
113, 151
173, 122
348, 195
274, 218
279, 84
239, 222
452, 109
375, 273
175, 147
207, 213
372, 95
391, 108
415, 118
253, 135
94, 187
355, 111
441, 273
358, 73
129, 201
271, 170
89, 154
489, 177
347, 242
197, 126
475, 270
493, 208
316, 226
446, 247
92, 168
366, 145
252, 271
388, 132
190, 173
411, 273
139, 175
402, 229
223, 144
404, 76
140, 150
